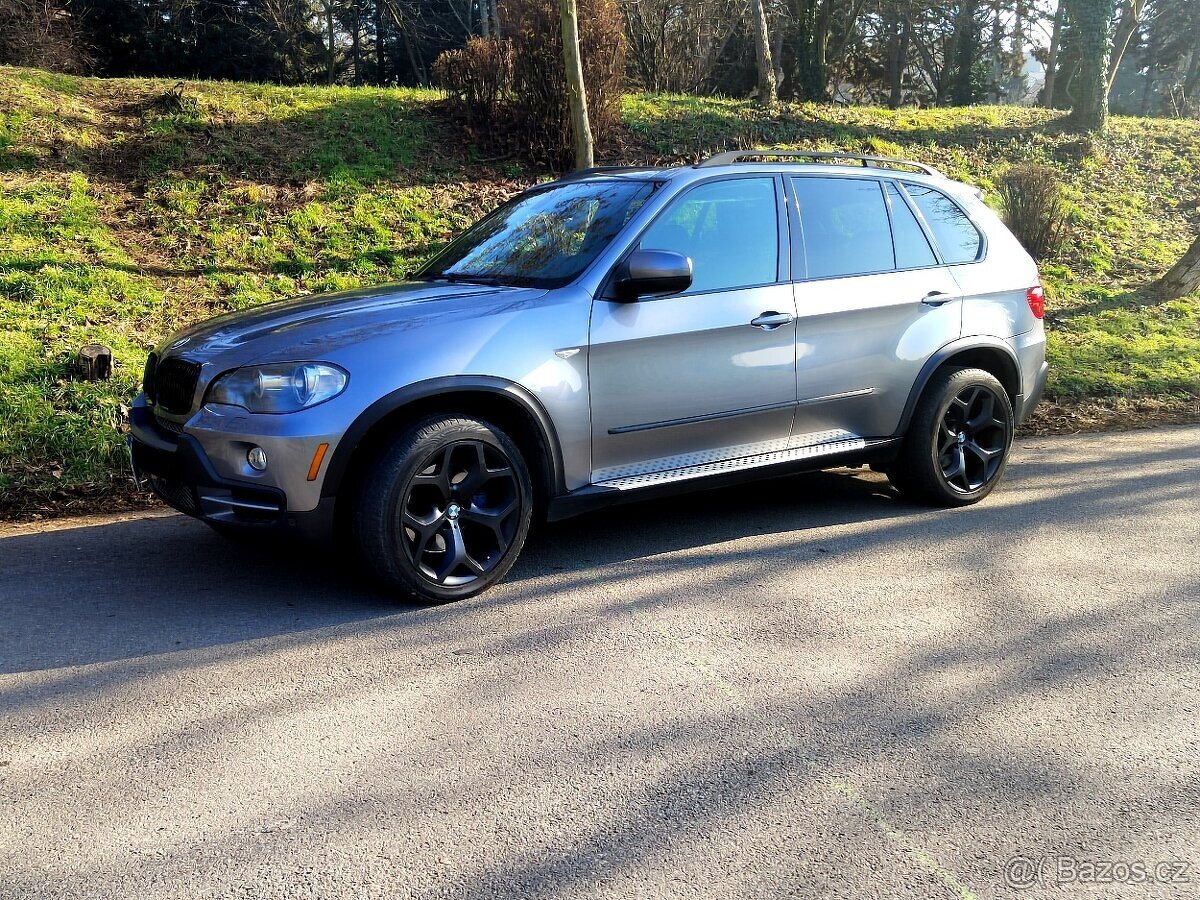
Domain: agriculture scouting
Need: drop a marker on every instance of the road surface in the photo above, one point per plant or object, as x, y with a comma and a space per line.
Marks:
804, 687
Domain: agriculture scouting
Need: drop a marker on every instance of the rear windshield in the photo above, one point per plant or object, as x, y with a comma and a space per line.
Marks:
543, 238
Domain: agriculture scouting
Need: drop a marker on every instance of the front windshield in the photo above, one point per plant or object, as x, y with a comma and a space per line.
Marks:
543, 238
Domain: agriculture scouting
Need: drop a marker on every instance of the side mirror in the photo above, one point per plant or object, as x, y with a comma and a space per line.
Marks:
658, 272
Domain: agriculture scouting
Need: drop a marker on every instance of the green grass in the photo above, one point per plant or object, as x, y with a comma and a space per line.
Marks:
122, 220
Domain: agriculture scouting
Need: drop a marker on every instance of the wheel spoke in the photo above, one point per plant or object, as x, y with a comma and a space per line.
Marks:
425, 528
958, 465
440, 477
492, 518
456, 553
986, 410
984, 454
946, 438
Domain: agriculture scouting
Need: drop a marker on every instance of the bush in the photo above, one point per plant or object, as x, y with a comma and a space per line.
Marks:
478, 79
512, 93
1034, 208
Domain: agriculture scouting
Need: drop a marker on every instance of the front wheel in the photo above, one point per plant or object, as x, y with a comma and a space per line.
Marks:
446, 510
958, 442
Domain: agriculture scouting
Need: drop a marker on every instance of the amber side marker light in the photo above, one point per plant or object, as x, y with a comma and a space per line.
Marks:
318, 458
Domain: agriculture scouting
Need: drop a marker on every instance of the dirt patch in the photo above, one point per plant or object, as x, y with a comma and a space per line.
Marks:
1114, 414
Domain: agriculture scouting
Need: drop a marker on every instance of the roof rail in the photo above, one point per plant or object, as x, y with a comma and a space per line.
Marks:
605, 170
730, 157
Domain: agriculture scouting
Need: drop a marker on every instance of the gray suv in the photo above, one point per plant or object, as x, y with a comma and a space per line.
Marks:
601, 338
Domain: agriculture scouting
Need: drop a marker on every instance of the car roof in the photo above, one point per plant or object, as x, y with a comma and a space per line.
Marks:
855, 166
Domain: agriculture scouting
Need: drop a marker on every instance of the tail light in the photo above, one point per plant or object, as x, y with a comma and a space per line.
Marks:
1037, 300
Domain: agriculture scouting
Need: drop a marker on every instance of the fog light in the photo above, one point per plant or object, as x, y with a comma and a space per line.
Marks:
257, 457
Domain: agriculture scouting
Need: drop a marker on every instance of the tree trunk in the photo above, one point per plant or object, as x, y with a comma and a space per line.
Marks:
485, 20
808, 73
380, 48
835, 57
330, 58
355, 42
1091, 22
1016, 69
768, 90
965, 46
1131, 17
576, 92
1052, 57
1184, 277
897, 50
996, 52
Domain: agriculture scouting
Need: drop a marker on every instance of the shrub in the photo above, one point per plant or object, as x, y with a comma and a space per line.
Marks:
539, 82
478, 80
1034, 208
512, 93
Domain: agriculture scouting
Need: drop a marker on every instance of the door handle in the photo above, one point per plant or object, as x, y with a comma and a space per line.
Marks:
937, 298
771, 320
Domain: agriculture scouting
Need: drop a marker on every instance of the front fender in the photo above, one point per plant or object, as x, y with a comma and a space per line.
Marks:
448, 386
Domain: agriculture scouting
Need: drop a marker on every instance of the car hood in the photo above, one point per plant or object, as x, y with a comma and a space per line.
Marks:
318, 326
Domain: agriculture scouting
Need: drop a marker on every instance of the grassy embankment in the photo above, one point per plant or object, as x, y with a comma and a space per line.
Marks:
122, 220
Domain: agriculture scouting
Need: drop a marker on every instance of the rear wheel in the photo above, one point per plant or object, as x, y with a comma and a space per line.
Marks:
446, 509
957, 444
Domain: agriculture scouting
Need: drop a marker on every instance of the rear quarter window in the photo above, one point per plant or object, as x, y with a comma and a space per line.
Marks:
957, 238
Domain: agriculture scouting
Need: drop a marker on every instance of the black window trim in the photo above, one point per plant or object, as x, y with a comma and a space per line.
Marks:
800, 250
783, 240
981, 254
939, 261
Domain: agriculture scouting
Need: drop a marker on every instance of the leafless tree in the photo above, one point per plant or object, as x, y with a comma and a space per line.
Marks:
576, 92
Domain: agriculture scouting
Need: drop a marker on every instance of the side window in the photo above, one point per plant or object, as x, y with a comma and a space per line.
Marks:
730, 229
845, 226
953, 231
912, 247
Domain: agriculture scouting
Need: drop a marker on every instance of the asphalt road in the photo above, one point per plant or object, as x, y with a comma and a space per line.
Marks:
805, 687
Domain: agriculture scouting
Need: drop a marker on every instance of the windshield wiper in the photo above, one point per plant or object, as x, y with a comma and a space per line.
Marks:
485, 280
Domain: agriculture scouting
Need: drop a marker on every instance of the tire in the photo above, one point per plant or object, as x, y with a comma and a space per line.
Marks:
957, 445
445, 509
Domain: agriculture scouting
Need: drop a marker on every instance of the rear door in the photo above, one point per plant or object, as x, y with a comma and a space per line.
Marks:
995, 300
874, 301
709, 374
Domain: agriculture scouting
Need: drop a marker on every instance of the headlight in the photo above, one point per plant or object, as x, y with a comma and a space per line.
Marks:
283, 388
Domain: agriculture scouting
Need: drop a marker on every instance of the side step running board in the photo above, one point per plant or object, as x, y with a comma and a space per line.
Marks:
757, 460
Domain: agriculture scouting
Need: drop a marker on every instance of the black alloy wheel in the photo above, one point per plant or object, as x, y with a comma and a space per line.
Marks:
957, 444
460, 513
445, 510
972, 439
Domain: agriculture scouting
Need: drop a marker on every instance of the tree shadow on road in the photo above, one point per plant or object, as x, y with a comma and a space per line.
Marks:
157, 586
874, 737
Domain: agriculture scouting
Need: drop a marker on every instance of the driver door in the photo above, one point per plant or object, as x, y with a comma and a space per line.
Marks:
708, 374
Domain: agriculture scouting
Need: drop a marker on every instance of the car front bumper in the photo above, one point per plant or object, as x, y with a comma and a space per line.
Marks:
182, 473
